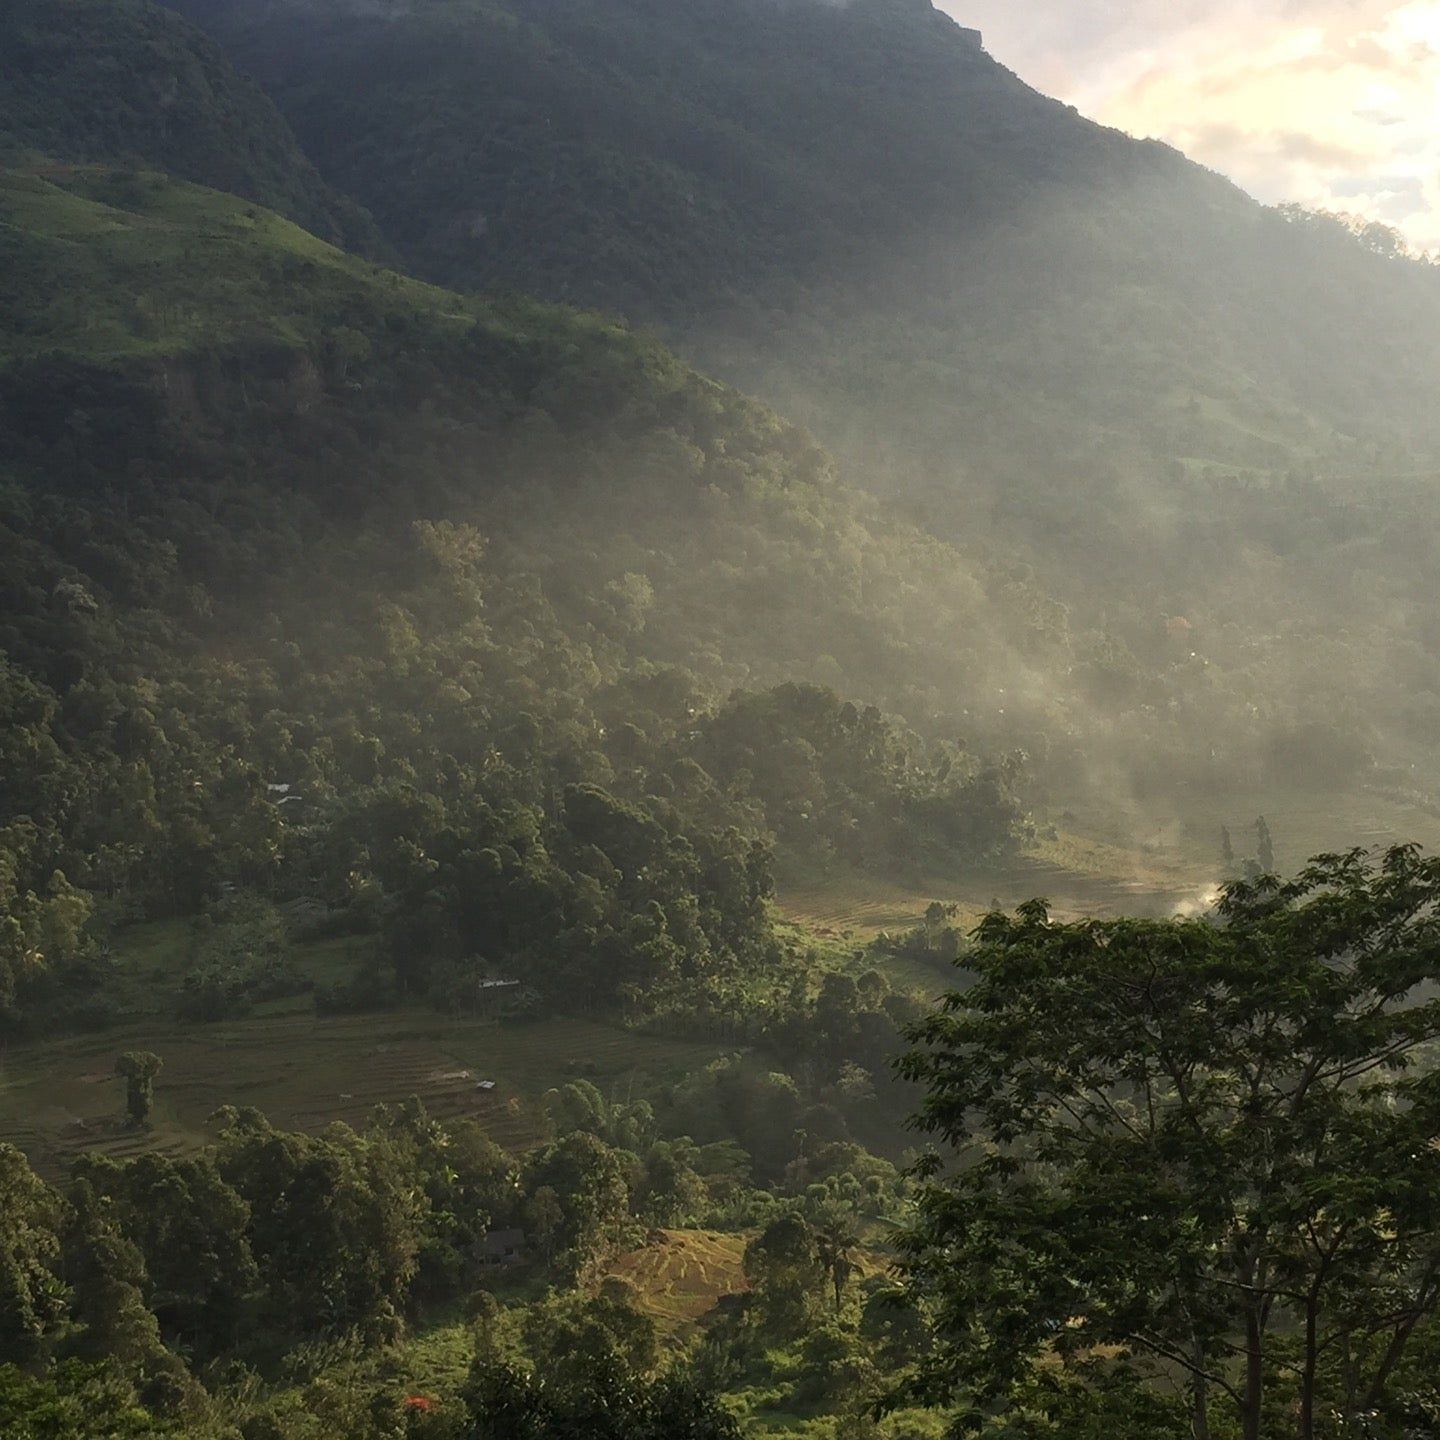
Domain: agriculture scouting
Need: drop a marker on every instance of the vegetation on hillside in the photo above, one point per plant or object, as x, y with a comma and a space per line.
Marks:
373, 689
416, 690
1101, 373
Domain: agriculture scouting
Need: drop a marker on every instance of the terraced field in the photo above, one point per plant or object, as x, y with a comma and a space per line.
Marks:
59, 1098
683, 1274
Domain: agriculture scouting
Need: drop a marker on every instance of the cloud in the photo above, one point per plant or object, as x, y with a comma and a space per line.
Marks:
1334, 103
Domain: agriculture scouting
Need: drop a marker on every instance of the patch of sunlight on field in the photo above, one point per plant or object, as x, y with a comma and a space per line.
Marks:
1183, 832
681, 1275
1113, 856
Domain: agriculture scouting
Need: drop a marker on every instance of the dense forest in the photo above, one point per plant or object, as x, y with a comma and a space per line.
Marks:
422, 702
1086, 363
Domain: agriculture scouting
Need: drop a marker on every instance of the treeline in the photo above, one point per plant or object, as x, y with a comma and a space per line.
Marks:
144, 1292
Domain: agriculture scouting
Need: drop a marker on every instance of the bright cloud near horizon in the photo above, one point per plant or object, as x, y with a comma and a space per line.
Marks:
1331, 103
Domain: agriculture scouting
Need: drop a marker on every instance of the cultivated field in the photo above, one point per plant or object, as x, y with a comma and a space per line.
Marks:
681, 1275
60, 1097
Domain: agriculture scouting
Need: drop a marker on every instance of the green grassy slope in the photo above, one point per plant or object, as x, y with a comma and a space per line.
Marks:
129, 81
108, 266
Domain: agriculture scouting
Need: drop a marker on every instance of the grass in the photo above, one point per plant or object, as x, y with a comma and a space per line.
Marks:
1116, 855
110, 265
59, 1098
140, 266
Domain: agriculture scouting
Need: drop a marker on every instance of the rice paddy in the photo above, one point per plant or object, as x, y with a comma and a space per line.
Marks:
681, 1275
60, 1098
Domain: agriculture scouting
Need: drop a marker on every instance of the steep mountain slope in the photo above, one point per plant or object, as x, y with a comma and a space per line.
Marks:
853, 210
190, 324
471, 580
1189, 441
122, 80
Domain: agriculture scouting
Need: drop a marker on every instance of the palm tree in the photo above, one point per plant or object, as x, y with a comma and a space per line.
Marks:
836, 1243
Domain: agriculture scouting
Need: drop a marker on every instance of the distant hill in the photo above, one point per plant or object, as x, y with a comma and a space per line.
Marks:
854, 211
127, 80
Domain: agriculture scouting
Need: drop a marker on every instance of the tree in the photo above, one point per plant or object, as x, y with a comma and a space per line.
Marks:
836, 1243
506, 1402
573, 1338
1204, 1142
786, 1273
190, 1229
545, 1219
1264, 846
668, 1187
335, 1224
32, 1299
138, 1068
76, 1401
1227, 849
588, 1179
107, 1280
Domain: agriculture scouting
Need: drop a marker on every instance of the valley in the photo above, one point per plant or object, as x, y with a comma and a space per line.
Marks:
572, 575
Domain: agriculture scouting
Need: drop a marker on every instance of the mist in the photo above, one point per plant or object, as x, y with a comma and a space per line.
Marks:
712, 722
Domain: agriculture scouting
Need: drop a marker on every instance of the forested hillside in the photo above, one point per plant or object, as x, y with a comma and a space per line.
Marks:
467, 580
119, 80
1102, 373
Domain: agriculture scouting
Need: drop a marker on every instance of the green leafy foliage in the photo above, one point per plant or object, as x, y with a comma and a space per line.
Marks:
128, 81
1209, 1144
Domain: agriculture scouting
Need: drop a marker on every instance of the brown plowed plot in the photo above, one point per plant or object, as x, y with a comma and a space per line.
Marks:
684, 1274
58, 1099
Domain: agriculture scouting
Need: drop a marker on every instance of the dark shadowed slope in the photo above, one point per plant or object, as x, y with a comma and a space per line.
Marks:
118, 80
855, 210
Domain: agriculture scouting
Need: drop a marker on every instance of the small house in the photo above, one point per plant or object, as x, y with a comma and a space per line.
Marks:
503, 1247
495, 997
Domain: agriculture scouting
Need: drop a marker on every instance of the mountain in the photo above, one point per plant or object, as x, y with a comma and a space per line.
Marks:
1188, 441
854, 211
126, 80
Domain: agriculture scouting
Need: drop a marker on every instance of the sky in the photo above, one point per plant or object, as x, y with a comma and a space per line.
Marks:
1331, 103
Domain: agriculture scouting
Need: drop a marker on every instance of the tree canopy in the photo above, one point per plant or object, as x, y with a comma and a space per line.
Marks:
1209, 1144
